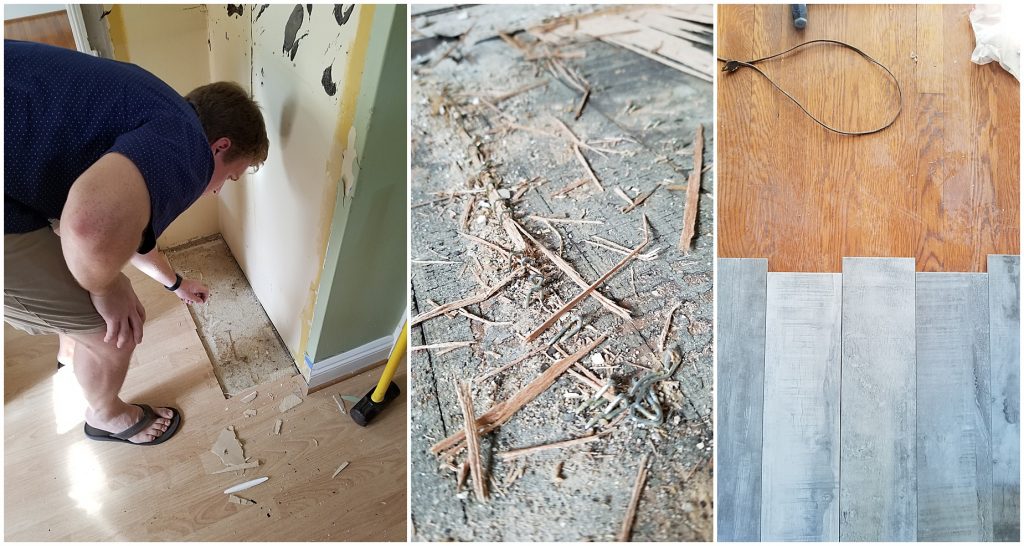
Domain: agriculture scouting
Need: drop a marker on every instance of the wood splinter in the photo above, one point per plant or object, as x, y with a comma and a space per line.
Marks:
634, 501
338, 471
472, 440
515, 453
692, 192
501, 412
442, 309
573, 302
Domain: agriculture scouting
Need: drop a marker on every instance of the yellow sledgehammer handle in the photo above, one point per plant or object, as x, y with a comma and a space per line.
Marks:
389, 370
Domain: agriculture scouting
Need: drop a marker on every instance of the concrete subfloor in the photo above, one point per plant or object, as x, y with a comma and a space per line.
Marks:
243, 345
647, 114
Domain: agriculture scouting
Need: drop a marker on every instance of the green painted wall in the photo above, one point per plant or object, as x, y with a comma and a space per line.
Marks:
362, 294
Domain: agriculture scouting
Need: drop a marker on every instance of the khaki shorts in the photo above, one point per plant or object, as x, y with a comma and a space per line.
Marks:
40, 294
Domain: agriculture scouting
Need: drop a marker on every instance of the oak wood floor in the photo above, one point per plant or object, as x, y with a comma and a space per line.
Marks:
60, 486
942, 185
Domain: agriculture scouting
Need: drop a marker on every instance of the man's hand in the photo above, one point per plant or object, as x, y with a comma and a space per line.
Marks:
122, 311
192, 291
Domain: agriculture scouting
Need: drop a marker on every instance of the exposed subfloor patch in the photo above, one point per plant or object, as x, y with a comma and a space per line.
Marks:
244, 347
489, 152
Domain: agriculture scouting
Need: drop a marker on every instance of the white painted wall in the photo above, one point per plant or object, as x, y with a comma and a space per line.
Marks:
17, 11
278, 221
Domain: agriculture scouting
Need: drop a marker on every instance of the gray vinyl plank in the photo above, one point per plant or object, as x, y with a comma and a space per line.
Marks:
954, 453
1004, 336
800, 457
878, 486
742, 287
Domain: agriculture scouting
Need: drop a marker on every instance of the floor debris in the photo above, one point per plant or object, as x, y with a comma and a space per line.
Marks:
277, 426
638, 487
338, 471
240, 500
245, 485
692, 192
249, 413
289, 402
340, 403
249, 397
228, 448
237, 467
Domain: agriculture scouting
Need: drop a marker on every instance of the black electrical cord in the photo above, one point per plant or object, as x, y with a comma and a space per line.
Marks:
732, 65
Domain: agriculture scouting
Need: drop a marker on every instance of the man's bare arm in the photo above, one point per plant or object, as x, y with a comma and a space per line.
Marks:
155, 265
102, 222
101, 227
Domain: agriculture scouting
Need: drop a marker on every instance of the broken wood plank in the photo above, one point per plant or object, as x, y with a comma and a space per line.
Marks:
575, 276
501, 412
515, 453
228, 448
240, 500
237, 467
634, 501
692, 192
573, 302
476, 470
442, 309
289, 402
338, 471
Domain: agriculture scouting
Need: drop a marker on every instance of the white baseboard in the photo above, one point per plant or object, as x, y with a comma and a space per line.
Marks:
349, 363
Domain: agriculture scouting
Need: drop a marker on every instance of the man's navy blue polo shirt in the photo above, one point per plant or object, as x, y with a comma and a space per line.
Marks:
63, 110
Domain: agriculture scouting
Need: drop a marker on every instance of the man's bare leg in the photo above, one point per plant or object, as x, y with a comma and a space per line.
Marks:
100, 368
66, 352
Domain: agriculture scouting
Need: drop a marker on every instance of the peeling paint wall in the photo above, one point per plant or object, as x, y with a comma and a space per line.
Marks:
141, 34
304, 65
362, 294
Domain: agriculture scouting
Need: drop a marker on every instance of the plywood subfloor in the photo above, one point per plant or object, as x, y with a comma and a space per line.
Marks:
244, 347
59, 486
941, 185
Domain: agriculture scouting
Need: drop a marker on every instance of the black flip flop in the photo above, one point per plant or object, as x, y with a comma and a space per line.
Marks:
148, 416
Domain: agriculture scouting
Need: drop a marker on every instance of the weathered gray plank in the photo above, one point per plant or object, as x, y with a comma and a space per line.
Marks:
742, 286
878, 486
800, 458
1004, 336
954, 453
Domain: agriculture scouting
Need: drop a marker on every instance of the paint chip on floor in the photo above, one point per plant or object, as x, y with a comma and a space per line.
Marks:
228, 448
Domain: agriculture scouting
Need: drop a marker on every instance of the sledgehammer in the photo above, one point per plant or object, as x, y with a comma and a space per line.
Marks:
377, 399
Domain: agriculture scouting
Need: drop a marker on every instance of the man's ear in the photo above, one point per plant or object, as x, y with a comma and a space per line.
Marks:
220, 145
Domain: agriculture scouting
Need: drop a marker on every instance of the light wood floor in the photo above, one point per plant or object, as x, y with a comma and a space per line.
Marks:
941, 185
60, 486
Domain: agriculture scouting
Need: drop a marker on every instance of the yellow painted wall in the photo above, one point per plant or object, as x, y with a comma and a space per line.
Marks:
169, 41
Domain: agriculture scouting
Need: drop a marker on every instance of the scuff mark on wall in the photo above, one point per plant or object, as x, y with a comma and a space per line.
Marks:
236, 10
291, 30
328, 82
341, 15
263, 7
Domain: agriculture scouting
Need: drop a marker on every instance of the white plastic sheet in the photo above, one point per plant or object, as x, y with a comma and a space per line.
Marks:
997, 35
